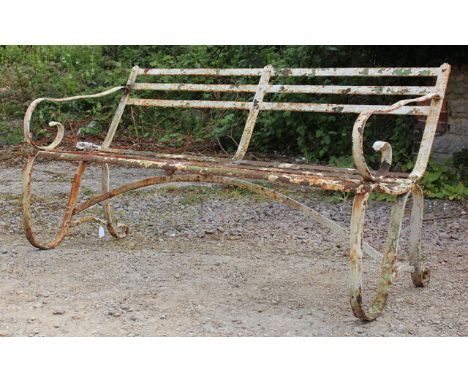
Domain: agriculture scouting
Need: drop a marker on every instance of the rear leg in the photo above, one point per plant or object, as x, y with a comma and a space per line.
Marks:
420, 275
118, 230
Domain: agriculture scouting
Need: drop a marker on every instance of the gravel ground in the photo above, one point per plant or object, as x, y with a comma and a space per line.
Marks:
213, 261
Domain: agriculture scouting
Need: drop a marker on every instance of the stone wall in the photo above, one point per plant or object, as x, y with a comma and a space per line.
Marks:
456, 137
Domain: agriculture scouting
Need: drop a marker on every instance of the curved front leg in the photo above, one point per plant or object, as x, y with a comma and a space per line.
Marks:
388, 269
107, 207
72, 199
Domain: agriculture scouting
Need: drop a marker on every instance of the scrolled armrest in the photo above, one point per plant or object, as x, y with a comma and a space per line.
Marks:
383, 147
60, 129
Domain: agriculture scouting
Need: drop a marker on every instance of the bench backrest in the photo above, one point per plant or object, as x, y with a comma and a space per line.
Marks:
263, 87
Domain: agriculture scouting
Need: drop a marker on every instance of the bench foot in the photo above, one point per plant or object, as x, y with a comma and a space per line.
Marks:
388, 264
69, 210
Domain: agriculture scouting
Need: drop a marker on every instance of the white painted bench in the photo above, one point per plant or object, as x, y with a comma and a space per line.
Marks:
238, 171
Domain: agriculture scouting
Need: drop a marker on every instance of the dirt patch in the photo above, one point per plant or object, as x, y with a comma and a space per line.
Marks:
213, 261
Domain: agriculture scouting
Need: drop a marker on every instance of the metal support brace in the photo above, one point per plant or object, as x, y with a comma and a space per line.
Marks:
120, 109
254, 110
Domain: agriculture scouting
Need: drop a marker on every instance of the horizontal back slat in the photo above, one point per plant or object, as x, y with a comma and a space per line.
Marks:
299, 72
296, 89
278, 106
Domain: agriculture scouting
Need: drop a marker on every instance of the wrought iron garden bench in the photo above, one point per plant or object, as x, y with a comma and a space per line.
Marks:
361, 180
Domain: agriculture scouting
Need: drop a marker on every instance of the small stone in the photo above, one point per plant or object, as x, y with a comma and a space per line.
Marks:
58, 312
133, 318
162, 317
114, 314
3, 333
220, 229
56, 326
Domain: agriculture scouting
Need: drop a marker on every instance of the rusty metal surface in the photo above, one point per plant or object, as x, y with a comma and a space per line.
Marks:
118, 230
194, 168
72, 199
331, 180
107, 194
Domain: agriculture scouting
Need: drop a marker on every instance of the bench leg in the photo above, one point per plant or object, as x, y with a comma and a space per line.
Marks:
420, 276
111, 227
388, 269
72, 199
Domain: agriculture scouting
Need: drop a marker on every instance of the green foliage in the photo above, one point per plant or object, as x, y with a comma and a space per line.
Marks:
444, 181
28, 72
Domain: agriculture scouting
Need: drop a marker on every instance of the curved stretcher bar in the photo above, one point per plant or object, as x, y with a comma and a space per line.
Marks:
73, 209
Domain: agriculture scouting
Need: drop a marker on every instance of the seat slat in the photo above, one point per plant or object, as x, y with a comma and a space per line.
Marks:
293, 89
298, 72
329, 180
278, 106
227, 160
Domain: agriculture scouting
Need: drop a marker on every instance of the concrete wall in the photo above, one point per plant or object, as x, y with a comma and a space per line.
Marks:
456, 138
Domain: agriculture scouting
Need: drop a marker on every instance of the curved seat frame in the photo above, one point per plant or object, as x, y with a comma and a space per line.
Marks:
371, 180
